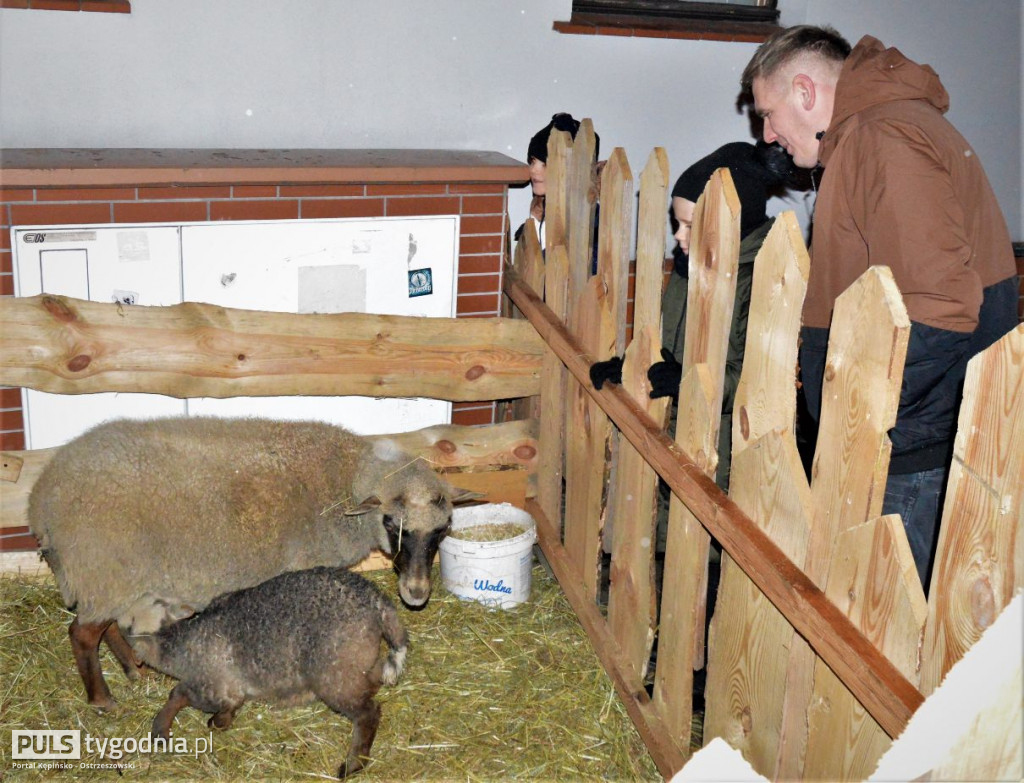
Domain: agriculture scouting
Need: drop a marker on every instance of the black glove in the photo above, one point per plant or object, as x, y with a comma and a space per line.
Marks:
610, 370
664, 376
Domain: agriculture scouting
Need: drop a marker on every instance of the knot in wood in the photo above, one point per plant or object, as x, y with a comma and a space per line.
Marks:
983, 603
79, 363
241, 357
524, 452
58, 307
746, 721
475, 372
446, 446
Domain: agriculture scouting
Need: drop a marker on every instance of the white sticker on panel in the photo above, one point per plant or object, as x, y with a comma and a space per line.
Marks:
339, 288
132, 246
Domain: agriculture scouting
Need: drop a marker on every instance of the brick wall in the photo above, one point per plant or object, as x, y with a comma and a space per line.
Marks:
482, 228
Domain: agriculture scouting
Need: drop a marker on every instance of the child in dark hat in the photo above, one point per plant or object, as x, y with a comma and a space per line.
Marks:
757, 171
537, 157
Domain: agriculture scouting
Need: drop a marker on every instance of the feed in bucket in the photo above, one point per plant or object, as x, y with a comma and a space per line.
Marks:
488, 555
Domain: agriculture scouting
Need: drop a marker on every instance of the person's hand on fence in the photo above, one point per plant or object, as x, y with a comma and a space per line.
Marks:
610, 370
665, 376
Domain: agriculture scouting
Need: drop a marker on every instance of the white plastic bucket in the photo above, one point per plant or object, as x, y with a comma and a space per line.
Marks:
496, 573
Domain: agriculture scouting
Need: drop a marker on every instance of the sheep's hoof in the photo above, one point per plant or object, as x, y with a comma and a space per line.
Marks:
103, 703
221, 720
134, 673
350, 767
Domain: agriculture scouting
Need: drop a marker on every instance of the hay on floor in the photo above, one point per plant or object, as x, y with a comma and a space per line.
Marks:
487, 694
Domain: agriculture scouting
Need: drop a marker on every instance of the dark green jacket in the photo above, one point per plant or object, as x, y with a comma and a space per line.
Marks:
673, 314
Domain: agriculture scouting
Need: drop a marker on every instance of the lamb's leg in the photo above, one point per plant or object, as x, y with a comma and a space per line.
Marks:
85, 644
123, 651
365, 720
176, 701
223, 719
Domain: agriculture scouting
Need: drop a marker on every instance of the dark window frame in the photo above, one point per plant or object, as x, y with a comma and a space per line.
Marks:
673, 19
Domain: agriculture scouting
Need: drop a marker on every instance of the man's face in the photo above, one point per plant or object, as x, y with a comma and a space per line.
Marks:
782, 104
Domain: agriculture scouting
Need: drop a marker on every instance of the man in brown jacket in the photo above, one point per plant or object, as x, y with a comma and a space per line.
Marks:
902, 188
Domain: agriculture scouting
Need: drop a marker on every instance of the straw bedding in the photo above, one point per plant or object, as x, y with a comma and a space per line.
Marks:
487, 695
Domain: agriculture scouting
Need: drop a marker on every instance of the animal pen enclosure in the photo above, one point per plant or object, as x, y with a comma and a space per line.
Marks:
822, 644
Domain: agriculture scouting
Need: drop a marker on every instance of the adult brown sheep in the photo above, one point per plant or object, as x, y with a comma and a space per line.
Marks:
141, 521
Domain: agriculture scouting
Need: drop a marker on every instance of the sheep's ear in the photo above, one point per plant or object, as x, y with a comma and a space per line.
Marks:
176, 613
371, 503
460, 496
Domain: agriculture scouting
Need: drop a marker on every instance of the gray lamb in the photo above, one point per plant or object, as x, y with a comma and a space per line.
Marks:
299, 636
141, 521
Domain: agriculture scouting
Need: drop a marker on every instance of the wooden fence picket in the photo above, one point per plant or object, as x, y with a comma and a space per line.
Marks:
650, 243
632, 611
588, 430
554, 382
751, 643
712, 287
860, 395
980, 560
580, 204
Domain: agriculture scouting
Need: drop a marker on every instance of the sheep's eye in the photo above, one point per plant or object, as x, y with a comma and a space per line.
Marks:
389, 522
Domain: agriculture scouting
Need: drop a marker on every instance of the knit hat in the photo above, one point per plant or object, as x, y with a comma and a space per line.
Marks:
756, 171
562, 121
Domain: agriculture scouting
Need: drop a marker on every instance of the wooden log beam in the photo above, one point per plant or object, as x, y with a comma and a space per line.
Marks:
70, 346
878, 685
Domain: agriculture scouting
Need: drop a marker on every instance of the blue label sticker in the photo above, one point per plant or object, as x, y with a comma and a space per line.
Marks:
421, 282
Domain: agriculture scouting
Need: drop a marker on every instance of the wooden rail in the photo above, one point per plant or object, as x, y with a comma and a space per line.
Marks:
71, 346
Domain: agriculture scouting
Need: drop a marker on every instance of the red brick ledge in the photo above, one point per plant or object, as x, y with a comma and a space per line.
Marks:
107, 167
102, 6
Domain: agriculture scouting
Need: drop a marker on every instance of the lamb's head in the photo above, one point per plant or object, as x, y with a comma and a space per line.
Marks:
415, 507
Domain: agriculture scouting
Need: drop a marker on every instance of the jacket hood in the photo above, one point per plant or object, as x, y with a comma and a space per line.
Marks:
874, 75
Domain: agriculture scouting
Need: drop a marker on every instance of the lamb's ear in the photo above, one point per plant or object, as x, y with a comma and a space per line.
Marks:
460, 496
371, 503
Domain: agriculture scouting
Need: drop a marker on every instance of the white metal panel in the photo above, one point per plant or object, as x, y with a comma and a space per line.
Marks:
330, 266
131, 264
400, 266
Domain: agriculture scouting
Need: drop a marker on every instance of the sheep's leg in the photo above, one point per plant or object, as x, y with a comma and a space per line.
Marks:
176, 702
365, 720
85, 644
122, 651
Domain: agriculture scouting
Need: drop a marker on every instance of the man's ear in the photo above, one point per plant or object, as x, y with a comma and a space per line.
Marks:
805, 91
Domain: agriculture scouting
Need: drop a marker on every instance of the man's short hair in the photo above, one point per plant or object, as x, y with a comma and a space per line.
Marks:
781, 48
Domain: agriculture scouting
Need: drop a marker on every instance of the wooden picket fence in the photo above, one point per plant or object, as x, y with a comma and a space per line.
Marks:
822, 644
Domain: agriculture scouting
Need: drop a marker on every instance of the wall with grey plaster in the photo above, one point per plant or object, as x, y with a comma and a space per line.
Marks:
451, 74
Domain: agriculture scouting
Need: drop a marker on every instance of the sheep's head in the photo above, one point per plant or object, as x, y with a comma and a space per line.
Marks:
415, 507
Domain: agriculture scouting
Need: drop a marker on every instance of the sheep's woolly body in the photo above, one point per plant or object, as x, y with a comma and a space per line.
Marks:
299, 636
139, 519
